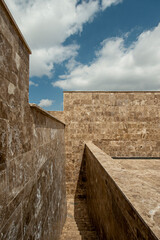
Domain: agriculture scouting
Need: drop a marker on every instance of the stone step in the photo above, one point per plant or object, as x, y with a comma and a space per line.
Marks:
84, 235
70, 228
78, 226
88, 233
72, 218
70, 238
70, 235
90, 238
78, 238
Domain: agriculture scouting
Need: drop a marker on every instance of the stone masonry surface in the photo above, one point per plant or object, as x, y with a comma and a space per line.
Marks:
32, 159
58, 114
79, 224
123, 124
123, 195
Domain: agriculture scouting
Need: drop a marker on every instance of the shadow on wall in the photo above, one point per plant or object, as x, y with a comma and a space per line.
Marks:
83, 221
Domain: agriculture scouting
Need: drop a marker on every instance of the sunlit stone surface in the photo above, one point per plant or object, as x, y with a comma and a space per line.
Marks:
107, 198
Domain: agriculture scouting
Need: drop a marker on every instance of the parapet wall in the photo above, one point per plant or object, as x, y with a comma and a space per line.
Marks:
117, 211
32, 179
123, 124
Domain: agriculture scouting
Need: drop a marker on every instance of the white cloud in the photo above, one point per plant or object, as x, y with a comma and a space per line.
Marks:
31, 83
108, 3
47, 24
119, 68
46, 58
45, 103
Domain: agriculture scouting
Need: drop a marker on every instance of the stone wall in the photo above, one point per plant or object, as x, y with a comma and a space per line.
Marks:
58, 114
116, 211
32, 179
123, 124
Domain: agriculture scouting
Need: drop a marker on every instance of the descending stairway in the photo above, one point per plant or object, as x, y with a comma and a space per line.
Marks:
78, 225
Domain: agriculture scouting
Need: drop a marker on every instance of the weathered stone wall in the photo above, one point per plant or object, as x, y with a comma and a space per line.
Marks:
58, 114
124, 124
109, 204
32, 179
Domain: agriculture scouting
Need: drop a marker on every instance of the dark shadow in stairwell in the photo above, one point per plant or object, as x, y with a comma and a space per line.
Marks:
83, 221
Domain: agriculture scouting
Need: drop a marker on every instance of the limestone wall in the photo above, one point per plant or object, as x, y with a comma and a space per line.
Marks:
58, 114
123, 124
32, 179
118, 212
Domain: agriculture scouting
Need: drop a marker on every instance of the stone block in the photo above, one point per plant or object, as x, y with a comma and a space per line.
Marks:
6, 59
29, 207
13, 229
3, 142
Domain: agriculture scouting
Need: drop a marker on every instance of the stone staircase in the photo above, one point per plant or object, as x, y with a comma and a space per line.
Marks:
78, 225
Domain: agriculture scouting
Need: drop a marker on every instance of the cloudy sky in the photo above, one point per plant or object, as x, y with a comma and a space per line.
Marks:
89, 45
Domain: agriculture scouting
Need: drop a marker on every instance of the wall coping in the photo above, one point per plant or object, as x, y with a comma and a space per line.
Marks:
15, 25
44, 112
111, 91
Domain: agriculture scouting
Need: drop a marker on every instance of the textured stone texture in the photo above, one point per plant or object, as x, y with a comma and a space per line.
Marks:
32, 179
120, 123
78, 223
123, 196
58, 114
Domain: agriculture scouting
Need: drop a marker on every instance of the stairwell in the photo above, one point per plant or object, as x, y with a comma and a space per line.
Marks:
78, 224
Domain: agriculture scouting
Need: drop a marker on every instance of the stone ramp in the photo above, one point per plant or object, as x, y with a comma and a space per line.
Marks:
78, 225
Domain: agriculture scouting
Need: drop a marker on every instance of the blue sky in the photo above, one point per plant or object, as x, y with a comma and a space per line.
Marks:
89, 45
